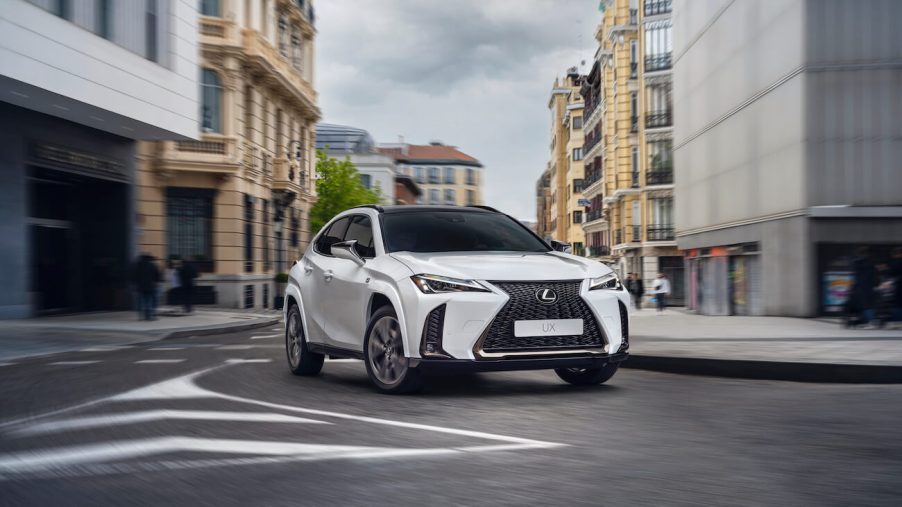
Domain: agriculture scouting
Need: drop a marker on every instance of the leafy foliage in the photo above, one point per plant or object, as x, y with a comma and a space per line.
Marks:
338, 188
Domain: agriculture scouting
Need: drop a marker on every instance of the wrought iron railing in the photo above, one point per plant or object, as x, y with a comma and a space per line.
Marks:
658, 119
654, 7
662, 176
654, 63
660, 233
599, 250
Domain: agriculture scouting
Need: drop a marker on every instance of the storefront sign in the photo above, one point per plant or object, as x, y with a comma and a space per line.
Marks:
66, 159
837, 286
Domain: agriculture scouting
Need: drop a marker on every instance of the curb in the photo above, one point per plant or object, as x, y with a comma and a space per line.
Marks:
223, 328
769, 370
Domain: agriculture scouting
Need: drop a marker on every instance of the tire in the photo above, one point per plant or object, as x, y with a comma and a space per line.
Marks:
301, 361
587, 376
383, 353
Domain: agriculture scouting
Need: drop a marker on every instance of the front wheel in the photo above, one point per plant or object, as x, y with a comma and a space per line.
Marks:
300, 360
386, 364
587, 376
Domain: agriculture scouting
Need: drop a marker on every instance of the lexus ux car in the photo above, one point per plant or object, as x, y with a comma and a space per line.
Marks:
413, 289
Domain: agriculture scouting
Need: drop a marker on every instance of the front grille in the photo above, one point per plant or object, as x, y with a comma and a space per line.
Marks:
523, 305
432, 332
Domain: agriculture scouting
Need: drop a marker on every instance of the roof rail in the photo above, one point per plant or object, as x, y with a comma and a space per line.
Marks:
487, 208
371, 206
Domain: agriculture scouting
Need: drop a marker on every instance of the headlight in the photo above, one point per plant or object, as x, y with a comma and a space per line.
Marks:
608, 281
434, 284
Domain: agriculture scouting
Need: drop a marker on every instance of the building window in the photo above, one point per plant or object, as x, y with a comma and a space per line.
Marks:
471, 176
294, 229
577, 153
209, 7
189, 225
450, 196
577, 122
433, 196
283, 35
449, 175
296, 50
635, 166
658, 45
578, 185
577, 217
367, 180
433, 175
105, 18
248, 296
420, 174
211, 101
248, 233
471, 198
150, 30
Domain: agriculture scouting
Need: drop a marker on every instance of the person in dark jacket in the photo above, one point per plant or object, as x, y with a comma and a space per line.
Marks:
187, 273
863, 297
147, 276
895, 271
636, 289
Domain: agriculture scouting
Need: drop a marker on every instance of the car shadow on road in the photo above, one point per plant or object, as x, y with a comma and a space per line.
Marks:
500, 385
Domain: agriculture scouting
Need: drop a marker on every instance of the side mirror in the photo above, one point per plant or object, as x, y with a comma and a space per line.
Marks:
347, 250
560, 246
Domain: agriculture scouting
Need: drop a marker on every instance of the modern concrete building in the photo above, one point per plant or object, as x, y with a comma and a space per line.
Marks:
237, 201
565, 164
445, 174
787, 148
80, 81
628, 131
377, 171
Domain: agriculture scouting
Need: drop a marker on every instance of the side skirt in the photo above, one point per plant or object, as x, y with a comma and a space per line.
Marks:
334, 352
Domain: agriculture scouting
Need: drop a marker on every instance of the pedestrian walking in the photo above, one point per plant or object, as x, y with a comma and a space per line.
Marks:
146, 278
860, 306
636, 289
661, 289
895, 270
172, 280
187, 273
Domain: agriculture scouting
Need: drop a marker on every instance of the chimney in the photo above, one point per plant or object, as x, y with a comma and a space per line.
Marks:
436, 142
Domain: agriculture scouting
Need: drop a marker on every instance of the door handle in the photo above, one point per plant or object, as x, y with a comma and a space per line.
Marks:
308, 268
327, 276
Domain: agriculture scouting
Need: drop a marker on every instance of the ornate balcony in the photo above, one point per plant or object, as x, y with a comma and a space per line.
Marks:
660, 176
658, 120
655, 7
270, 64
654, 63
599, 251
213, 153
660, 233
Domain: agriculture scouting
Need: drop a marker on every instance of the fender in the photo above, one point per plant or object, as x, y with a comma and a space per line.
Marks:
293, 289
387, 288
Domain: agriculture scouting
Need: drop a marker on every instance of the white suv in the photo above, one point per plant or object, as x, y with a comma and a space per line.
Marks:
410, 289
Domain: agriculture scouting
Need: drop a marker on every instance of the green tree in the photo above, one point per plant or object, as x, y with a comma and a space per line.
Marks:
338, 188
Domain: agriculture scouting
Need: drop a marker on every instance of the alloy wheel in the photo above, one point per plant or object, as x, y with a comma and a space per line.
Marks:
386, 351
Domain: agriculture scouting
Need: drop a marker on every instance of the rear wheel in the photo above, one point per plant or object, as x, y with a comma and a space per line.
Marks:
587, 376
386, 364
300, 360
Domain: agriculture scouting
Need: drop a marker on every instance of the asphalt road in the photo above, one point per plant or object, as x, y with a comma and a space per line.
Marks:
219, 420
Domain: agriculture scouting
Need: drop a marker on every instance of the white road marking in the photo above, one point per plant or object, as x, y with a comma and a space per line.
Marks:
72, 363
7, 364
276, 329
236, 361
265, 336
235, 347
106, 348
105, 420
159, 361
165, 349
343, 360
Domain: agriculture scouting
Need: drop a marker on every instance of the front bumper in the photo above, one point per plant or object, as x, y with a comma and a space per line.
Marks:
543, 363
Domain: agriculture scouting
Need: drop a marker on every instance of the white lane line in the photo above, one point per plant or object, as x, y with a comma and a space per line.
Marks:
79, 423
72, 363
343, 360
276, 329
159, 361
235, 347
7, 364
237, 361
265, 336
165, 348
106, 348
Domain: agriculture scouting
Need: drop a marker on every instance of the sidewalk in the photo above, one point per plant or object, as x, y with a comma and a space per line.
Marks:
50, 335
779, 348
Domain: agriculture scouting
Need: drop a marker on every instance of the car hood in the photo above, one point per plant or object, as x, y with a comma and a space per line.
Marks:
502, 266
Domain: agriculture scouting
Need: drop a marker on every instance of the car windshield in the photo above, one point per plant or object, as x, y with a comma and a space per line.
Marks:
451, 231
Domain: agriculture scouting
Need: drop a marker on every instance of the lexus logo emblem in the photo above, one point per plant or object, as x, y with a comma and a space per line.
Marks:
546, 296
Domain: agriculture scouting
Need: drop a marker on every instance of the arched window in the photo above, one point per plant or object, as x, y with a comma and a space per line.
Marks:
211, 101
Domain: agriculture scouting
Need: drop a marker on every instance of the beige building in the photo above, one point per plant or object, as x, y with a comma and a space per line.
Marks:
444, 174
237, 200
566, 161
628, 149
544, 209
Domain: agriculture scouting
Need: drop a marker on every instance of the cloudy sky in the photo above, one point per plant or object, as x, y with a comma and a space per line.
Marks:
472, 73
